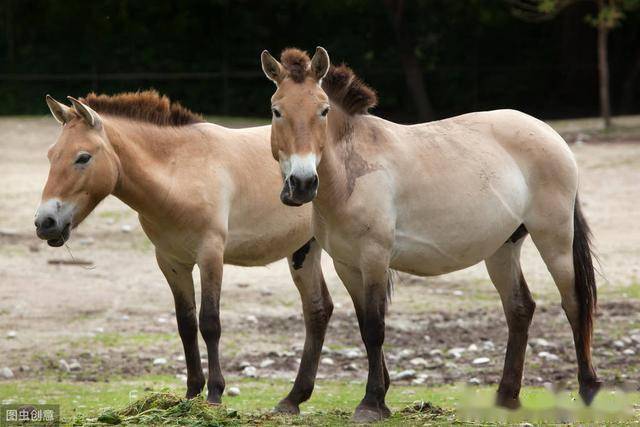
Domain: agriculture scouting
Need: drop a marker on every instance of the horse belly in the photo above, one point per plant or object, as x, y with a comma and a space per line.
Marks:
464, 226
267, 240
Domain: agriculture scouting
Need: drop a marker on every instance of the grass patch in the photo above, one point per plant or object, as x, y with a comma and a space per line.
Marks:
154, 400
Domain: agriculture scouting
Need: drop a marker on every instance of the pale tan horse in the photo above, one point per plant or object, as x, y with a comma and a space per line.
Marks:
205, 195
429, 199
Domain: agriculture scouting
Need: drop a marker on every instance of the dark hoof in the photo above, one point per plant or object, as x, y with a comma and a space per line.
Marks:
386, 412
588, 391
214, 400
194, 388
368, 414
286, 407
508, 401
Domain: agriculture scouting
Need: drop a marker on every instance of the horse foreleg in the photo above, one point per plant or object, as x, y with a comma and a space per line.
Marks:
210, 263
181, 282
317, 308
369, 294
506, 274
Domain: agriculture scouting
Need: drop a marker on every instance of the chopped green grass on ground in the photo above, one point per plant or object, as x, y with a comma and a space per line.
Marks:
155, 400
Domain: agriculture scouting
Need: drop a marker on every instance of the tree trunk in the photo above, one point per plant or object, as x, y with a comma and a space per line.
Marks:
603, 68
410, 64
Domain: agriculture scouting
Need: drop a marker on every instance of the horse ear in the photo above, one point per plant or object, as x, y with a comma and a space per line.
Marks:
320, 63
60, 112
88, 115
271, 67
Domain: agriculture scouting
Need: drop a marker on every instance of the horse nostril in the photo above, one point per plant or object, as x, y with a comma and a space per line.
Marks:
47, 223
314, 181
293, 181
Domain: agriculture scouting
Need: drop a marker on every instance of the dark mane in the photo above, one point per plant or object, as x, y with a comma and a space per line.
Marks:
147, 106
345, 89
341, 84
296, 62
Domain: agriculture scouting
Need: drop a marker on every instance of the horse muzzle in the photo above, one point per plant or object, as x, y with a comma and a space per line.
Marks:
299, 190
53, 222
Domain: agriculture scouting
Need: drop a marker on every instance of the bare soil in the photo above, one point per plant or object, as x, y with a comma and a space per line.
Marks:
116, 316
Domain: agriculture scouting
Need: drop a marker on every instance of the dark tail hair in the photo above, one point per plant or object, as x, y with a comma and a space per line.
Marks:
585, 281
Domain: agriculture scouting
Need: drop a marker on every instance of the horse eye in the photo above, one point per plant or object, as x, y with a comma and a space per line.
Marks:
83, 158
325, 112
276, 112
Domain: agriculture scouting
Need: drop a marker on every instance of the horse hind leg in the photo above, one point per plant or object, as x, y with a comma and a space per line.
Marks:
506, 275
563, 242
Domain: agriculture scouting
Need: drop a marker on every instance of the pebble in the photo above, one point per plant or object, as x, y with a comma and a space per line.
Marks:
251, 318
481, 360
11, 334
64, 366
418, 361
233, 391
162, 320
24, 368
618, 344
435, 363
266, 363
351, 367
418, 381
405, 375
427, 338
406, 353
126, 228
244, 364
435, 352
353, 354
541, 342
629, 352
548, 356
475, 381
99, 330
458, 293
159, 361
327, 361
488, 345
6, 373
456, 352
124, 317
74, 365
472, 347
250, 371
636, 338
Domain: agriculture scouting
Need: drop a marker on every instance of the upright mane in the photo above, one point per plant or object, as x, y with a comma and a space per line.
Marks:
147, 106
341, 84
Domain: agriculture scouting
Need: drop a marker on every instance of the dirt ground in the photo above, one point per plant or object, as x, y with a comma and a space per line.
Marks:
116, 317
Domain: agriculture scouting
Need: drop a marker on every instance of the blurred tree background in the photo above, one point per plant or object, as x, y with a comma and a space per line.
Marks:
427, 59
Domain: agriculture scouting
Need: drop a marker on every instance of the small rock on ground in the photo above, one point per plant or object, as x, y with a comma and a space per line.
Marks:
481, 360
159, 361
233, 391
6, 373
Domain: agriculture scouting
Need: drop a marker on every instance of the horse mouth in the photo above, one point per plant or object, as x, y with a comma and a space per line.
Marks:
64, 236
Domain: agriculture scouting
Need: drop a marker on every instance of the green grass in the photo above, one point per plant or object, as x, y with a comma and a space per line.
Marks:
332, 402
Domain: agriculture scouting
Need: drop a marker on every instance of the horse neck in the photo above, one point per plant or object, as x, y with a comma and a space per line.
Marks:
333, 169
144, 154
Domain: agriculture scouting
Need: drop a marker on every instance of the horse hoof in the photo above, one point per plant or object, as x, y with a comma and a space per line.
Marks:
214, 400
508, 402
286, 407
588, 391
369, 415
386, 412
